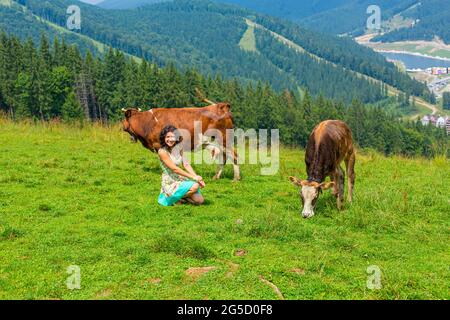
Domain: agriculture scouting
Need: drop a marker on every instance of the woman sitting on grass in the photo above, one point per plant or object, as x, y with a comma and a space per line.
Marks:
178, 185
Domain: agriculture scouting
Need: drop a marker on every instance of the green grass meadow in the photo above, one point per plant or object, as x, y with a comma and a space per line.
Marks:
87, 197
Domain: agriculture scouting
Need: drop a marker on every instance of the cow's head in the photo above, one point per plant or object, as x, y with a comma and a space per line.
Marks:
129, 113
309, 193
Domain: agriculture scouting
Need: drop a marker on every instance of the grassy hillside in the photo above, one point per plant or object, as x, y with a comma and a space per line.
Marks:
87, 197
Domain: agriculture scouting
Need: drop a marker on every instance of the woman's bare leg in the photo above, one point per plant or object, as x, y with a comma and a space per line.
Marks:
193, 197
192, 190
196, 199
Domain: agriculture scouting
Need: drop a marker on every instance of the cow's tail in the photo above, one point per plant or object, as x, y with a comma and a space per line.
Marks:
202, 97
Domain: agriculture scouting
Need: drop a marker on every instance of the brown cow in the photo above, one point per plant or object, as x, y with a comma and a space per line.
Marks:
329, 144
212, 123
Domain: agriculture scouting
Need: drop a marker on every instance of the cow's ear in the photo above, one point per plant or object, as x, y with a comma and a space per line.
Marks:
326, 186
180, 139
128, 113
295, 181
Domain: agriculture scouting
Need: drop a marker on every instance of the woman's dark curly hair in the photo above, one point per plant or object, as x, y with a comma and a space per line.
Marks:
165, 131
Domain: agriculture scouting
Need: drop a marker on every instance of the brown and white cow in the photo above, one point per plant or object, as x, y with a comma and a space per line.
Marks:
329, 144
211, 122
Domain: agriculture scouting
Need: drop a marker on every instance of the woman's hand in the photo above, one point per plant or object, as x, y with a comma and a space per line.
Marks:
200, 181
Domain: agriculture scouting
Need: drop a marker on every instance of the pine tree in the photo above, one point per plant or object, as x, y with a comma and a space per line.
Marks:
45, 51
24, 99
59, 86
11, 62
192, 80
43, 65
446, 100
171, 94
72, 109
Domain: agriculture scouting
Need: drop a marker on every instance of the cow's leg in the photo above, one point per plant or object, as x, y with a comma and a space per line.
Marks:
338, 189
341, 187
350, 166
236, 169
218, 152
335, 178
222, 161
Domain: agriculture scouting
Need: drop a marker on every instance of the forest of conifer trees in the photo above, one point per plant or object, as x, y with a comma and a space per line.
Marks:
54, 81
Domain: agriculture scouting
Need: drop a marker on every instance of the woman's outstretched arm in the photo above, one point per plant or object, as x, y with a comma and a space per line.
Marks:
189, 169
187, 165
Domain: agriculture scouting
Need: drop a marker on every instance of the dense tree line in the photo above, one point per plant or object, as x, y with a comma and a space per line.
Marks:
318, 76
346, 53
56, 81
446, 100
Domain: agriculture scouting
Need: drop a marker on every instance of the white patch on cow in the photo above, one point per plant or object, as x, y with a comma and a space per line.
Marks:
213, 148
214, 151
309, 194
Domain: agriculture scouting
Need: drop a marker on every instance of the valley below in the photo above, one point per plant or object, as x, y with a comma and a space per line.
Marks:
429, 49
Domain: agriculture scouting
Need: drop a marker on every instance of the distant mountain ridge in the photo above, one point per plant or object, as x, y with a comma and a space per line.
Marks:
432, 17
343, 16
331, 16
182, 32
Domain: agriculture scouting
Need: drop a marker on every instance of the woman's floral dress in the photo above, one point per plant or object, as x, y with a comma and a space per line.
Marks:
170, 180
173, 186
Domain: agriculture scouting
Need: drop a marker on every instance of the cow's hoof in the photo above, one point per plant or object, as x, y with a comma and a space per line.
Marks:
216, 178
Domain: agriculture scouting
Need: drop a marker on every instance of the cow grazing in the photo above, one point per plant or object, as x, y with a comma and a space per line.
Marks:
329, 144
210, 122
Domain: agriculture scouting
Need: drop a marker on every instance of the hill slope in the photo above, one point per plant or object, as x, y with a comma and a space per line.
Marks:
18, 20
345, 16
336, 16
128, 4
91, 196
180, 31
